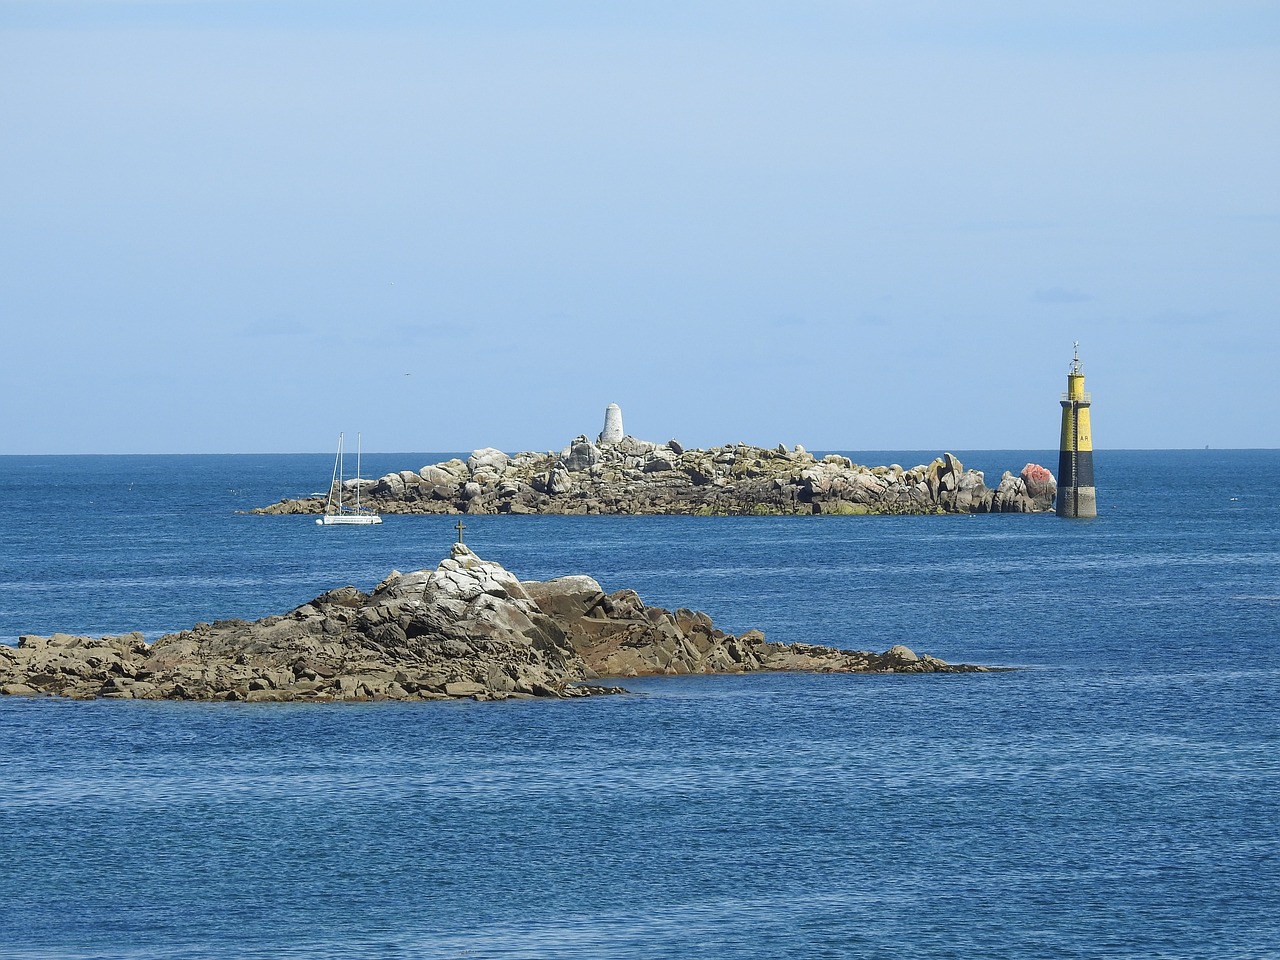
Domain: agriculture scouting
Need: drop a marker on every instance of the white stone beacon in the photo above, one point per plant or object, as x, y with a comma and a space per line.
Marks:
612, 431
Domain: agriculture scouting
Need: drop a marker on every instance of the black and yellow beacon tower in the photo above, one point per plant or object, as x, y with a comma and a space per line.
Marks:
1077, 496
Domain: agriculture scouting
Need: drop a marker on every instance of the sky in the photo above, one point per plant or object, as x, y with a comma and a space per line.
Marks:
242, 227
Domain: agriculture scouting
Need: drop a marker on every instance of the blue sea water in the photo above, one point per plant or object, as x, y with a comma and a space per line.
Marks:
1116, 797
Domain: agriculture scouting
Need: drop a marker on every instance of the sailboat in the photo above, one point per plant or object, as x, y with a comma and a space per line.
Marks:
334, 511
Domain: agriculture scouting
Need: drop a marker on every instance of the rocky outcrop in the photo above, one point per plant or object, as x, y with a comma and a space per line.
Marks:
633, 476
467, 629
1040, 485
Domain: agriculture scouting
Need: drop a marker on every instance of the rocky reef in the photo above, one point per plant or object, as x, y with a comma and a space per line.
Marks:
467, 629
631, 476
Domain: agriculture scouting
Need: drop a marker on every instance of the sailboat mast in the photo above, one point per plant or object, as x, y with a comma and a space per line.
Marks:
333, 481
358, 484
342, 467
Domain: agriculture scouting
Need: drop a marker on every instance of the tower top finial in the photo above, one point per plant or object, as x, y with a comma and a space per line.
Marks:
1075, 358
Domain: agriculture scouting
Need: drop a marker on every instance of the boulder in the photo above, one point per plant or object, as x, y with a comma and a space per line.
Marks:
559, 482
565, 598
1040, 484
487, 460
390, 486
582, 454
436, 475
465, 688
659, 464
1011, 495
972, 494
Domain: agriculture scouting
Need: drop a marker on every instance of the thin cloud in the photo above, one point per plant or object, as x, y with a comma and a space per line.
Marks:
438, 329
789, 321
1184, 318
275, 327
1001, 226
872, 320
1060, 295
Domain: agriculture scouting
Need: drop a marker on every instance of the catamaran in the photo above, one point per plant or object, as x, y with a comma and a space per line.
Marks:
334, 511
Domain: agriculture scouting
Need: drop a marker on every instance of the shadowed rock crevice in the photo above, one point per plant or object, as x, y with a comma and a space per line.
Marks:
468, 628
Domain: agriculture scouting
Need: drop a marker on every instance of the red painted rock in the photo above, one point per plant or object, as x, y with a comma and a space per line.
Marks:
1039, 481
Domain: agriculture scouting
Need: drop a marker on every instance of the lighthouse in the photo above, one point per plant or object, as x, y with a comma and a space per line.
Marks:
1077, 496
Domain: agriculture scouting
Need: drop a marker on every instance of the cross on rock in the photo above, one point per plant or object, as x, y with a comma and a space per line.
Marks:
460, 526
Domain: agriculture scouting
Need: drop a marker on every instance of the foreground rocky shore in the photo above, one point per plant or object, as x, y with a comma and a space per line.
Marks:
467, 629
633, 476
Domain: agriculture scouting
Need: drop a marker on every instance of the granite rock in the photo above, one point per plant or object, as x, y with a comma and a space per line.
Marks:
467, 629
633, 476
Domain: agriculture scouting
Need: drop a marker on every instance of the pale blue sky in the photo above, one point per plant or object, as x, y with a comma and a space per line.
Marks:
243, 227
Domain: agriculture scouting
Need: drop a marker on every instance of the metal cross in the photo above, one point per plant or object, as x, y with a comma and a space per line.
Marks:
460, 526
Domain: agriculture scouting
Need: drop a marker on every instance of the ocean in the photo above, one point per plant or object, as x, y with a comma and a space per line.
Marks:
1116, 796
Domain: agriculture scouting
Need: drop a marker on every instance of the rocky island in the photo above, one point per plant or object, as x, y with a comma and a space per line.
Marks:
466, 629
618, 474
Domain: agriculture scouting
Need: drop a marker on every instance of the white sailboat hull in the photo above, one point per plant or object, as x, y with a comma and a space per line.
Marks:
334, 512
344, 518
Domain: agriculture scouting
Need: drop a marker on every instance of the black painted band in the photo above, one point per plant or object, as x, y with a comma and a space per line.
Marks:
1082, 475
